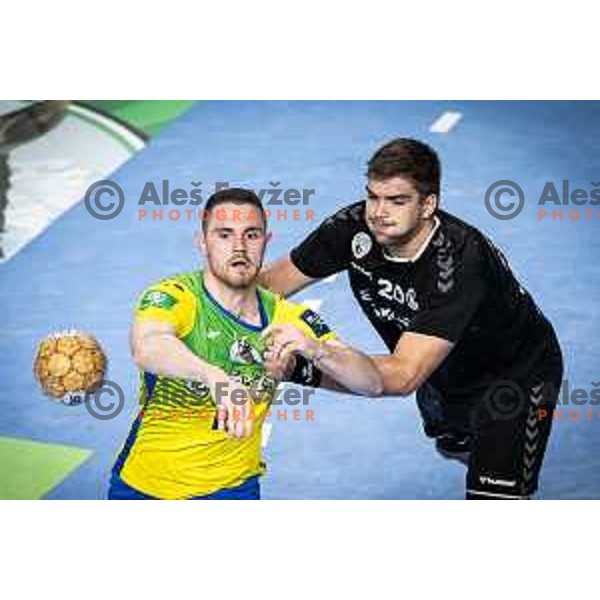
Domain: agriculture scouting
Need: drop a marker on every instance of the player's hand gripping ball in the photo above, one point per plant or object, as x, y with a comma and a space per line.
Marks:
68, 365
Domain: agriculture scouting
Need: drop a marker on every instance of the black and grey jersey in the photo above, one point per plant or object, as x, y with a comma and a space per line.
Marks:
459, 287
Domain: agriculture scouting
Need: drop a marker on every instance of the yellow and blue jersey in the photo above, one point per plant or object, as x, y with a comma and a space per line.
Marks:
172, 450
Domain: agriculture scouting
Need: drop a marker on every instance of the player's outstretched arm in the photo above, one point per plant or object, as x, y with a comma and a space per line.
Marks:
283, 277
350, 368
155, 348
415, 358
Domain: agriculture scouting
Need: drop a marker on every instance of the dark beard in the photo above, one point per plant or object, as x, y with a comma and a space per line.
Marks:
234, 283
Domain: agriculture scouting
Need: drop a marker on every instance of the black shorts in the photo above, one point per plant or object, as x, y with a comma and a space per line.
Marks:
510, 426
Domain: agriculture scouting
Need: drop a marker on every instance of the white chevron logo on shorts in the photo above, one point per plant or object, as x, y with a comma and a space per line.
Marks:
531, 434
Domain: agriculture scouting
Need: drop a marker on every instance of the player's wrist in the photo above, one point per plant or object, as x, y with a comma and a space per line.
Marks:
312, 350
211, 374
305, 373
317, 352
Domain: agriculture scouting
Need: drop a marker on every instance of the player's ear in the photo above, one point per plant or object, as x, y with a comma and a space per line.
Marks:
430, 204
200, 240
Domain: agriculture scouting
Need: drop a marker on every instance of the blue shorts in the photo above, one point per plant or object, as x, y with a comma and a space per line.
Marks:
249, 490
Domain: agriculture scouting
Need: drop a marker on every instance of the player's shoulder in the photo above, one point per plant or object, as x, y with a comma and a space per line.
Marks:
349, 216
170, 290
301, 315
172, 300
455, 258
458, 238
182, 282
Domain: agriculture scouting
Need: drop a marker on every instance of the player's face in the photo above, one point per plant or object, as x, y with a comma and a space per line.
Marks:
395, 210
234, 244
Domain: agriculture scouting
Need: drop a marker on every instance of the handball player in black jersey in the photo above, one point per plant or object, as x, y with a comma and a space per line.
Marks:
462, 332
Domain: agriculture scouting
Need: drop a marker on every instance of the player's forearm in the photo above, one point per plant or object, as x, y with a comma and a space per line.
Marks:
282, 277
397, 381
399, 377
328, 383
348, 370
164, 354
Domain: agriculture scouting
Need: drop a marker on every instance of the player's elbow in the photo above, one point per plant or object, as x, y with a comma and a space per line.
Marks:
406, 385
401, 381
147, 343
402, 388
376, 387
139, 356
143, 352
373, 385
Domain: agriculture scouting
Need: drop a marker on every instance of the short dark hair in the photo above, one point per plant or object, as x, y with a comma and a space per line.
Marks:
237, 196
405, 157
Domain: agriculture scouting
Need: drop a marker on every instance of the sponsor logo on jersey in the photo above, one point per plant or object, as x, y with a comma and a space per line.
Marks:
212, 334
361, 244
257, 383
243, 352
314, 321
384, 314
395, 293
365, 295
198, 388
157, 299
360, 269
493, 481
389, 315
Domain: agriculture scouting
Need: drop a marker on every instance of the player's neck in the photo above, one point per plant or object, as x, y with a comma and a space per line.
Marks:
411, 246
242, 302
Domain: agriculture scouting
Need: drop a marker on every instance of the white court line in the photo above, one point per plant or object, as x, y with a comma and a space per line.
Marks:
446, 122
266, 434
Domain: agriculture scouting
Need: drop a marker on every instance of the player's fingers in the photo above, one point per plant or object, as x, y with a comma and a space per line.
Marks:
248, 422
271, 330
240, 419
221, 417
279, 334
229, 411
274, 368
249, 416
291, 347
269, 333
280, 349
273, 350
231, 423
288, 350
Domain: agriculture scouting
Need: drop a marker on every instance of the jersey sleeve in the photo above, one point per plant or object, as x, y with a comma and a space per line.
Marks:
170, 301
327, 250
457, 291
304, 318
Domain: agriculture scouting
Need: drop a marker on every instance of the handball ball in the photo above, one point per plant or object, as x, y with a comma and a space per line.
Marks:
69, 364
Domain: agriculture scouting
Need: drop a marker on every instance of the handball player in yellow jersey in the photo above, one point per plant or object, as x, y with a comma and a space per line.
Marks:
209, 345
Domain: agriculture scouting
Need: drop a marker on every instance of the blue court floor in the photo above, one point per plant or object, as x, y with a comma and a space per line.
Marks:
85, 273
